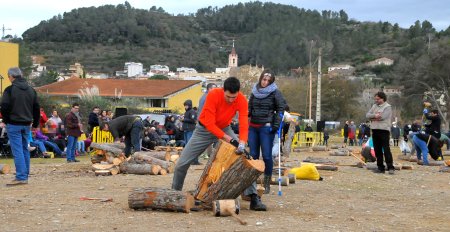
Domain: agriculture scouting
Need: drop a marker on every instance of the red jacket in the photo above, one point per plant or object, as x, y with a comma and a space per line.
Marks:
217, 113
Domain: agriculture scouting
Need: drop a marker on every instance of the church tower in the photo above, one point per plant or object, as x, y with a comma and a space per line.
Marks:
233, 58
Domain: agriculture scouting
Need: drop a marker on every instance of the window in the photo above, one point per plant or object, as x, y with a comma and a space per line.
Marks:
160, 103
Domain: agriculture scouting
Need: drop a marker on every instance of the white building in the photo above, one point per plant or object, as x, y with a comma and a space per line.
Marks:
159, 69
186, 70
381, 61
340, 67
133, 69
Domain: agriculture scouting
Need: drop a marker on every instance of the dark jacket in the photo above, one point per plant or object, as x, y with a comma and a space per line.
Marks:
121, 126
72, 125
434, 128
346, 130
432, 142
395, 132
20, 104
266, 110
190, 117
170, 127
93, 120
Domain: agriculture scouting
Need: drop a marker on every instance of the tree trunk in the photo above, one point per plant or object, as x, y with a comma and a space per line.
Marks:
157, 198
5, 169
162, 155
319, 148
169, 166
287, 146
107, 147
139, 169
226, 174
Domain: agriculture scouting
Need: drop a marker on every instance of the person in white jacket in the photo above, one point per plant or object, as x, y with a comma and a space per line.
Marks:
380, 116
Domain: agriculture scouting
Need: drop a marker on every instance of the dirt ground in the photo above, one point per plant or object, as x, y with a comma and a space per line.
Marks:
350, 199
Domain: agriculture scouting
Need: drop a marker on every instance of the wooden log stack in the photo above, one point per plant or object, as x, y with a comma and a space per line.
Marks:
109, 160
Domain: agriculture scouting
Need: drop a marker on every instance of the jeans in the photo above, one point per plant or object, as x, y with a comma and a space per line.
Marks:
80, 146
421, 149
39, 144
381, 147
260, 139
53, 146
200, 140
133, 138
71, 147
18, 138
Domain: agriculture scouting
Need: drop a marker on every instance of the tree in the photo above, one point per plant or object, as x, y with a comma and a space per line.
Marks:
158, 77
46, 77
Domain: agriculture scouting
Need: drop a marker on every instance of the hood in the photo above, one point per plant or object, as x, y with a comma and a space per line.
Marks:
21, 83
188, 103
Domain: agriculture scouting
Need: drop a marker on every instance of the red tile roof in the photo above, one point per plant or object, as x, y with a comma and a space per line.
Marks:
108, 87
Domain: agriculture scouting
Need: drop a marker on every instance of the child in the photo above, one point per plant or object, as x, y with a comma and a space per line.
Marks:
80, 144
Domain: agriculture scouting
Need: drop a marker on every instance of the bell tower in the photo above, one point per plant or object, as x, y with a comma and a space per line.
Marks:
233, 58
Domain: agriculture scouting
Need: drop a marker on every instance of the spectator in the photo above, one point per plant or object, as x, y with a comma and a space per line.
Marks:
129, 126
81, 147
38, 136
434, 127
73, 131
326, 136
346, 132
352, 133
93, 119
20, 109
395, 133
54, 123
170, 126
43, 119
380, 115
189, 120
147, 123
104, 117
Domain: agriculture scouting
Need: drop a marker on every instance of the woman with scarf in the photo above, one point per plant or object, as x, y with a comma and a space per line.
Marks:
266, 107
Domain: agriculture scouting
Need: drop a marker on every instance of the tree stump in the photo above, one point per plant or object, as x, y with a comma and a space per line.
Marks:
139, 169
5, 169
287, 145
162, 199
226, 174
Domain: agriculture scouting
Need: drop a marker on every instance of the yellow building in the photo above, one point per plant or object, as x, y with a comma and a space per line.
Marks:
9, 57
153, 95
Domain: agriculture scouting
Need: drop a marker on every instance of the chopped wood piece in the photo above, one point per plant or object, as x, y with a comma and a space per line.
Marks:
5, 169
163, 199
139, 169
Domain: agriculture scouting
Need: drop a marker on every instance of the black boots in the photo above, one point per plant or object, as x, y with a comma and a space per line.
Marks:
267, 184
256, 204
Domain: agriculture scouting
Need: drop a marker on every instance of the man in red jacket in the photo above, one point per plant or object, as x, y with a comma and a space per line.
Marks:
221, 106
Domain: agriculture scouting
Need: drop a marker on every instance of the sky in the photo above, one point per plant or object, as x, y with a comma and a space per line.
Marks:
20, 15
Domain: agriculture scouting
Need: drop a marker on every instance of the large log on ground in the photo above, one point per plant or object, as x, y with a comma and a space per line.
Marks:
5, 169
318, 160
339, 153
301, 149
326, 167
432, 163
102, 166
139, 169
319, 148
446, 152
162, 199
162, 155
107, 147
227, 175
444, 169
169, 166
287, 145
274, 180
373, 166
334, 146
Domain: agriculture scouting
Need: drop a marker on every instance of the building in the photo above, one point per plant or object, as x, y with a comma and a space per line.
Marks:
233, 58
380, 61
76, 70
133, 69
168, 95
9, 57
159, 69
340, 67
186, 70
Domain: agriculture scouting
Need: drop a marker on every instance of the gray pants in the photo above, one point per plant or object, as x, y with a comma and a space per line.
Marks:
199, 141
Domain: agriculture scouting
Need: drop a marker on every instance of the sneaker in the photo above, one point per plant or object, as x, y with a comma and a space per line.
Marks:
378, 171
391, 172
256, 204
16, 182
70, 161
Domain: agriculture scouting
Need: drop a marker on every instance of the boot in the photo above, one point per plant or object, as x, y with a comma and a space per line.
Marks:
267, 184
256, 204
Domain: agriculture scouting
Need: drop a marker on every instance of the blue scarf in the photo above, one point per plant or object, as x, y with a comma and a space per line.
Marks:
260, 93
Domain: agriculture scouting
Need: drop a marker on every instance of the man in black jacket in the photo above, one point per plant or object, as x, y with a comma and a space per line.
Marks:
20, 109
129, 126
434, 127
189, 122
93, 119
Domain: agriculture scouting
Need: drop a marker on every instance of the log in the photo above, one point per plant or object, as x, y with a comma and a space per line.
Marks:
139, 169
301, 149
326, 167
274, 180
162, 155
5, 169
226, 175
287, 146
334, 146
224, 208
117, 161
109, 157
169, 166
102, 172
432, 163
97, 159
162, 172
102, 166
174, 158
373, 166
114, 170
161, 199
404, 157
444, 169
407, 167
292, 178
446, 152
339, 153
284, 171
319, 148
107, 147
318, 160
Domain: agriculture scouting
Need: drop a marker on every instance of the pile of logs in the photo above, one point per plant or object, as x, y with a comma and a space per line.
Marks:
110, 160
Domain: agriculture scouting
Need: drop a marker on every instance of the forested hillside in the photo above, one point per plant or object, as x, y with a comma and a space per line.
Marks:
274, 35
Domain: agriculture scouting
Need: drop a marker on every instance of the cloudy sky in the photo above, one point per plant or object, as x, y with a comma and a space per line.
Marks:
19, 15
